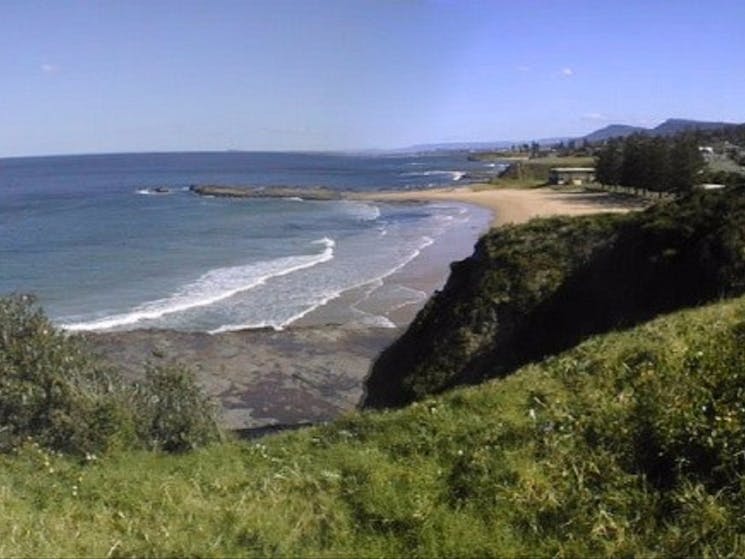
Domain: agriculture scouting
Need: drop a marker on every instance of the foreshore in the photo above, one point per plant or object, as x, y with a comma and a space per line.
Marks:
518, 205
315, 370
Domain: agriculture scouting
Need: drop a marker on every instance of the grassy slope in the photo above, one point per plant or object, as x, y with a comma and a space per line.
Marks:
631, 443
541, 287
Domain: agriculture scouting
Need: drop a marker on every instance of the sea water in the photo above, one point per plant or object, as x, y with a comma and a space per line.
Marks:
117, 242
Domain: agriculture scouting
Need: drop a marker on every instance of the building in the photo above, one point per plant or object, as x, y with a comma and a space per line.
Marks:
571, 175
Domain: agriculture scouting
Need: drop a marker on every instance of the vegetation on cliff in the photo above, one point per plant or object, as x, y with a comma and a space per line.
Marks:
631, 444
536, 289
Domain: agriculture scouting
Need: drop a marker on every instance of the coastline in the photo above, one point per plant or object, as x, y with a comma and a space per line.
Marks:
517, 205
315, 369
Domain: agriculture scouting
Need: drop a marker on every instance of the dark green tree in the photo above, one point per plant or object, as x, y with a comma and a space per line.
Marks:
656, 174
608, 162
686, 163
634, 161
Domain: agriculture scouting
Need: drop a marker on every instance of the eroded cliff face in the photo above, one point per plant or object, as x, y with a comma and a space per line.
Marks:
536, 289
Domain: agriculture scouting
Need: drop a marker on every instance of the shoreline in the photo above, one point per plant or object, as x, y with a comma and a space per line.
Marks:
516, 205
315, 369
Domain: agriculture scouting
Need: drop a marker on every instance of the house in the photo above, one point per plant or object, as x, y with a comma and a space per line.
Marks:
571, 175
707, 152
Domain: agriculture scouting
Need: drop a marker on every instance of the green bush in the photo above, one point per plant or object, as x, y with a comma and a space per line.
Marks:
53, 391
173, 414
50, 389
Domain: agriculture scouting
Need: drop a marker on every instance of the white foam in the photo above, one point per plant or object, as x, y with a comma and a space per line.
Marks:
377, 321
216, 285
362, 211
454, 175
326, 297
153, 192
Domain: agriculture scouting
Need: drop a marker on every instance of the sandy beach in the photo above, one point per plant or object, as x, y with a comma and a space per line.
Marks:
517, 205
315, 370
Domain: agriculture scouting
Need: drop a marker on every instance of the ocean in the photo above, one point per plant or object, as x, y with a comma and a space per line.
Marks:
118, 242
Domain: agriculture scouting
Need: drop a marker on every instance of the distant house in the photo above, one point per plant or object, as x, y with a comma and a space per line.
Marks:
706, 151
571, 175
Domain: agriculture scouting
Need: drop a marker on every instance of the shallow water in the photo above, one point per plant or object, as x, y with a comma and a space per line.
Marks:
102, 249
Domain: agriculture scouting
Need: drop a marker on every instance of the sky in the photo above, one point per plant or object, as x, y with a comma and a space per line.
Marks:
98, 76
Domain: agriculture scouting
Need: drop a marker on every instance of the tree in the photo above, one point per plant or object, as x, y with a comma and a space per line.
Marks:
608, 162
686, 162
657, 165
633, 163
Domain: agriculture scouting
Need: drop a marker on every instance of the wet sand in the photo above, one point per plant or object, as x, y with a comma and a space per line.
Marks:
315, 370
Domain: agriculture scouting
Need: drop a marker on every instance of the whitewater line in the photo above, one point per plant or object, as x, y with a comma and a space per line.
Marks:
193, 295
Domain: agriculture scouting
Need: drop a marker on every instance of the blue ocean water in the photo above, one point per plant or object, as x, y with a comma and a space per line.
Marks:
101, 250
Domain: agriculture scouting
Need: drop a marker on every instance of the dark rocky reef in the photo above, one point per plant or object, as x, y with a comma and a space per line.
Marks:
317, 193
536, 289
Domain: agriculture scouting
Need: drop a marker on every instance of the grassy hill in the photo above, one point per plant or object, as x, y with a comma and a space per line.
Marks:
539, 288
630, 444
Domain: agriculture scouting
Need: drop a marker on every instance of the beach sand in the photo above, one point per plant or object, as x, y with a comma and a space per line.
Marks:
315, 370
517, 205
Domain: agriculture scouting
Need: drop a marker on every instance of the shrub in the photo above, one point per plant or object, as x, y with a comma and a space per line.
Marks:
50, 389
53, 391
173, 414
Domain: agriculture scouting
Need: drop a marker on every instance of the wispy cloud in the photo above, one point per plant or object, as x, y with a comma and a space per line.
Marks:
522, 68
49, 68
596, 117
567, 72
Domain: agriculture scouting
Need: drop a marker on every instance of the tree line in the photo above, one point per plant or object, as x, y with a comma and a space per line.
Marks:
657, 163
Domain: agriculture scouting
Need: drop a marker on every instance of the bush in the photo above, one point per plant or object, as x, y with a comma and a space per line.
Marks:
49, 388
173, 413
53, 391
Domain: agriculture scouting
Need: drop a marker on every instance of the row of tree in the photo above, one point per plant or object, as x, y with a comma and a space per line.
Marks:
651, 162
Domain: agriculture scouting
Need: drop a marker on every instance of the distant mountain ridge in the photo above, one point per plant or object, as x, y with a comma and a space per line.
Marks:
478, 146
668, 128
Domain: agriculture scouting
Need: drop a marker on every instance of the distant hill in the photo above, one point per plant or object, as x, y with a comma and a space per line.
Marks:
674, 125
668, 128
456, 146
478, 146
613, 131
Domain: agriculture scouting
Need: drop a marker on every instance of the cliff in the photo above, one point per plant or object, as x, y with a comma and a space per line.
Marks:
534, 290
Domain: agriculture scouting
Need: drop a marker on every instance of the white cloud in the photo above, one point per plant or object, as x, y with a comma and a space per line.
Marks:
567, 72
522, 68
595, 117
49, 68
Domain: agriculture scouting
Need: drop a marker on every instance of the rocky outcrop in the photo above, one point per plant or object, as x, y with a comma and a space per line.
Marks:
319, 193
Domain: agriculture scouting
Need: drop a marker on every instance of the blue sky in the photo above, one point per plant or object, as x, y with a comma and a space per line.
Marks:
144, 75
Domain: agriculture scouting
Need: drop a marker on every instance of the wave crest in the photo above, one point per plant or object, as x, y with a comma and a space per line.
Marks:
213, 286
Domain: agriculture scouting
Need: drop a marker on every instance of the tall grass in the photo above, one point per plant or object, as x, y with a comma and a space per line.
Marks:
630, 444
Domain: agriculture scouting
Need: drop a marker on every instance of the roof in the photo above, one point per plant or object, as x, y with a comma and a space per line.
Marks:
573, 169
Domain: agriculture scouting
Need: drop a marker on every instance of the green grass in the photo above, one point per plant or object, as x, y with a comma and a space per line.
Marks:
630, 444
532, 173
